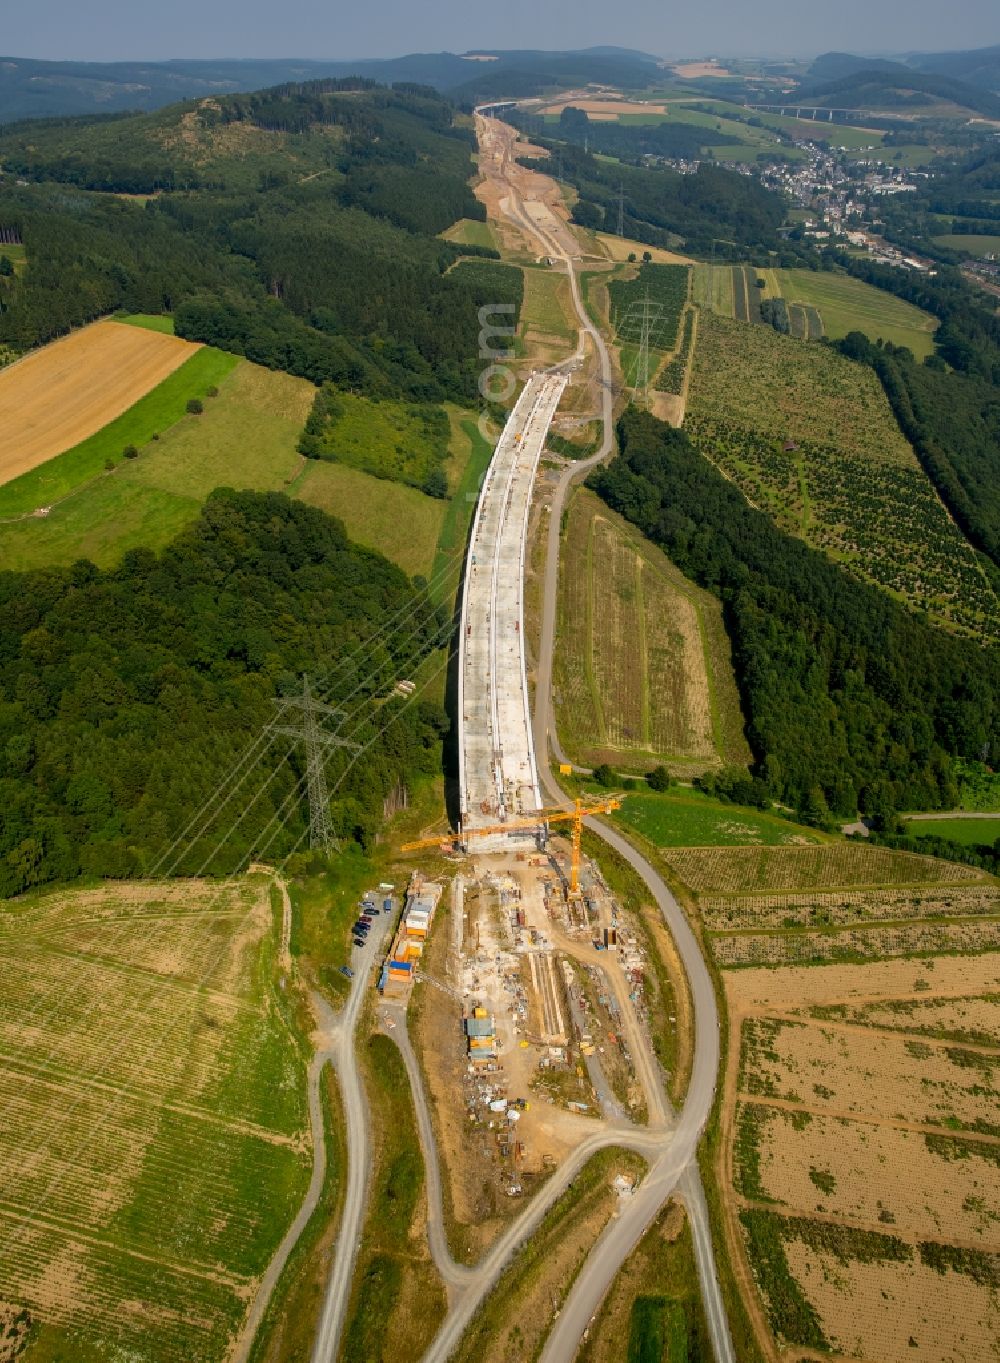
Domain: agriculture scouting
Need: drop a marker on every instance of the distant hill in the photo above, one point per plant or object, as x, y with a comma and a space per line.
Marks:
837, 65
869, 84
40, 89
978, 68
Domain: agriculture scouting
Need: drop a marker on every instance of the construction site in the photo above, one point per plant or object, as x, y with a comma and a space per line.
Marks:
498, 776
534, 1009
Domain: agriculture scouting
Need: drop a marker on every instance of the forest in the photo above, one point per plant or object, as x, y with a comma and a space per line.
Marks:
335, 273
126, 695
852, 702
949, 406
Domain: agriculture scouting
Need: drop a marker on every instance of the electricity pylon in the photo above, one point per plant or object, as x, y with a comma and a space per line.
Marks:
316, 740
642, 318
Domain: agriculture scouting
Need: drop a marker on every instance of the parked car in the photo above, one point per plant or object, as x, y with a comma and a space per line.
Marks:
359, 941
346, 970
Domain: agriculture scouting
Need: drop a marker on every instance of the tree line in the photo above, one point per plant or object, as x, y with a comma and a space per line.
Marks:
851, 701
126, 695
949, 406
339, 276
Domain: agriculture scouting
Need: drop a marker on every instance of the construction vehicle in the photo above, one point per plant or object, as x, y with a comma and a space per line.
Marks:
575, 816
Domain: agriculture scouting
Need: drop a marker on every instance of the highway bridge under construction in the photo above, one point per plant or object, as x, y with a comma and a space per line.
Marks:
498, 775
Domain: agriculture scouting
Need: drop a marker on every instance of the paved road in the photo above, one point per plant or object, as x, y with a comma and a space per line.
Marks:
341, 1048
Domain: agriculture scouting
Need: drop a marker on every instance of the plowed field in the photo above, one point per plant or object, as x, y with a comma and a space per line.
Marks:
60, 395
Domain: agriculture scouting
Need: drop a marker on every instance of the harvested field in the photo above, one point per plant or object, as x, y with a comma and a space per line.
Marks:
852, 944
769, 869
831, 910
643, 668
831, 1166
972, 1019
898, 1312
953, 977
620, 248
879, 1076
63, 393
155, 1143
245, 438
862, 1101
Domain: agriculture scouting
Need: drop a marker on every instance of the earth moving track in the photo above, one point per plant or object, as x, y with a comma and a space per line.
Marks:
671, 1151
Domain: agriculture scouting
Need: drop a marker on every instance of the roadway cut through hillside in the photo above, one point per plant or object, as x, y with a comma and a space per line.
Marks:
669, 1146
506, 774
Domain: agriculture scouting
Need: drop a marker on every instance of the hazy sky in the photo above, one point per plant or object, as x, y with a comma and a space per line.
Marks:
138, 29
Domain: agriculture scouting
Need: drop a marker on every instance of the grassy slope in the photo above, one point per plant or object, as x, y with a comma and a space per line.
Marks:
848, 304
967, 831
401, 522
970, 245
246, 438
150, 321
578, 721
398, 1300
515, 1317
286, 1331
156, 412
656, 1286
687, 819
469, 232
547, 304
387, 438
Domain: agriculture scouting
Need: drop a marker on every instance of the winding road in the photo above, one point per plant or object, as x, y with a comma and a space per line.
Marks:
671, 1151
669, 1146
676, 1168
339, 1046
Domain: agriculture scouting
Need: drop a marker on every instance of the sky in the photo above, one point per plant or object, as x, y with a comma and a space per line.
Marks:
110, 30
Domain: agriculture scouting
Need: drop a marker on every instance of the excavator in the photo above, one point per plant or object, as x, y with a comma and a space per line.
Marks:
557, 814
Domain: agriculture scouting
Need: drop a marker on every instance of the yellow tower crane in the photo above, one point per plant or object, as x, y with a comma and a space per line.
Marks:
575, 816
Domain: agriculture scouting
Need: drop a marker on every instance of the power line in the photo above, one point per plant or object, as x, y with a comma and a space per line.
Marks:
315, 738
642, 326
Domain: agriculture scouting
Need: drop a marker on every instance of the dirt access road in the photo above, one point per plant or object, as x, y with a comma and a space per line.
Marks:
671, 1151
339, 1045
